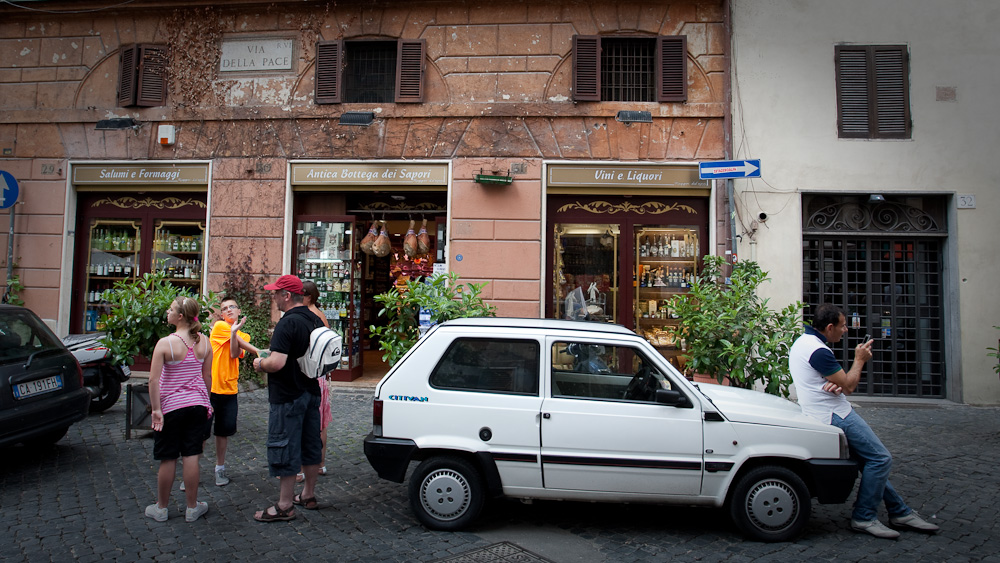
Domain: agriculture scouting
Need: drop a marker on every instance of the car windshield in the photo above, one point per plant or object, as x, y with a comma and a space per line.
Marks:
22, 334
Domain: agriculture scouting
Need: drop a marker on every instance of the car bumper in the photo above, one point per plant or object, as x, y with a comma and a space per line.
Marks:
833, 479
389, 456
24, 422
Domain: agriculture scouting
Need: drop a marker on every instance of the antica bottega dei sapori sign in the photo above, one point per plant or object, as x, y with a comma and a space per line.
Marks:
149, 173
371, 174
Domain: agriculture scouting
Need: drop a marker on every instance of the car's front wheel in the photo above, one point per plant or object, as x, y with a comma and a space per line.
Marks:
770, 504
446, 493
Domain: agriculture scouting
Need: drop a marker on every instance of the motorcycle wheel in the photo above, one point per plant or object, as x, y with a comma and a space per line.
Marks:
111, 389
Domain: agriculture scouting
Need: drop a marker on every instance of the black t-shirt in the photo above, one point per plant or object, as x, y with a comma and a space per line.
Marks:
291, 337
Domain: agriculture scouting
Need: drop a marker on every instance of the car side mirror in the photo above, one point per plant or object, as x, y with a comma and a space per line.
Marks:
672, 397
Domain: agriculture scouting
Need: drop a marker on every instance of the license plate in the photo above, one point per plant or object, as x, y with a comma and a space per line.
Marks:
127, 371
38, 386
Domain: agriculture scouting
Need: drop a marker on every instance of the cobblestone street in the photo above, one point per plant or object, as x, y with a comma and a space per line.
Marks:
83, 500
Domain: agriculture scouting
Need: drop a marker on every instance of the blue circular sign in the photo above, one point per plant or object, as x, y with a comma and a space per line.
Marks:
458, 257
8, 189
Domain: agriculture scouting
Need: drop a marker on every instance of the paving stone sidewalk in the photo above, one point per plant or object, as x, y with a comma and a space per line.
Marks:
83, 500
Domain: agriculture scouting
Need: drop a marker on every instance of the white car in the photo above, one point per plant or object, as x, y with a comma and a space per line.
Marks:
548, 409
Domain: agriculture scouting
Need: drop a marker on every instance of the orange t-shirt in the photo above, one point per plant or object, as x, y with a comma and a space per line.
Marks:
225, 370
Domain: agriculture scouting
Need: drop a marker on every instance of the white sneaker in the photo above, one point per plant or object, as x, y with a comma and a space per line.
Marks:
192, 514
875, 528
913, 521
221, 479
156, 513
182, 486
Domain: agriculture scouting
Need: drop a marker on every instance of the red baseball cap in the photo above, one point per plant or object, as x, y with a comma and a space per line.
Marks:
288, 283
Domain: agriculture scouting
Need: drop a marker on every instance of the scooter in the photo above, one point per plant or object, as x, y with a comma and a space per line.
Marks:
100, 375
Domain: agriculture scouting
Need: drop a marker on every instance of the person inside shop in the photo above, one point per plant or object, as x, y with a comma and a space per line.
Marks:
229, 344
180, 376
822, 386
293, 441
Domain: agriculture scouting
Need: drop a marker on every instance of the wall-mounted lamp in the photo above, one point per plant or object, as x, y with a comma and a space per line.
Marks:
627, 116
117, 123
362, 118
876, 198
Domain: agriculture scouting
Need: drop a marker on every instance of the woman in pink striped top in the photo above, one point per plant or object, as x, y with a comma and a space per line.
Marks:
180, 376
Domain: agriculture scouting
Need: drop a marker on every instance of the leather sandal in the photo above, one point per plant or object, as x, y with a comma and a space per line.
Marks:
307, 503
278, 516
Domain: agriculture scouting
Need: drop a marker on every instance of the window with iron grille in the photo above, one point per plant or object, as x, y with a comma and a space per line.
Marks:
142, 75
873, 100
630, 69
369, 71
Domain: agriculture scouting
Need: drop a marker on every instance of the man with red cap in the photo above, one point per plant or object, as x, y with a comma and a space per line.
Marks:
293, 437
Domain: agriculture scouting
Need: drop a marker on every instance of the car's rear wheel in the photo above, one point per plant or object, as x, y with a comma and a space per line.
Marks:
446, 493
770, 504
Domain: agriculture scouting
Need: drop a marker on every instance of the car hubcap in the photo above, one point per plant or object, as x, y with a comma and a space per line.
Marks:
445, 494
772, 505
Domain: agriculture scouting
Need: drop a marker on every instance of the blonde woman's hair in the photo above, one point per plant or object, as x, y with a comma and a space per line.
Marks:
189, 309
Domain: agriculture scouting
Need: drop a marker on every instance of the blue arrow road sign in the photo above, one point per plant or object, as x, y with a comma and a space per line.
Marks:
729, 169
8, 189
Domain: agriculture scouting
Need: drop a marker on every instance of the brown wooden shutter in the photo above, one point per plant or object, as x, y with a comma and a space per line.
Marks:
853, 111
127, 67
329, 72
873, 98
671, 68
152, 80
891, 92
587, 68
410, 70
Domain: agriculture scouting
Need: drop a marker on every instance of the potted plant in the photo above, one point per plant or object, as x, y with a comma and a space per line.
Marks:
440, 296
730, 331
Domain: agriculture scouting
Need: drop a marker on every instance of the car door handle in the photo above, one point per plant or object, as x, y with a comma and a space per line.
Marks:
546, 415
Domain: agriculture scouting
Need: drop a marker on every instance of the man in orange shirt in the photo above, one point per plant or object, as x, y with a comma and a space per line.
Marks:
229, 344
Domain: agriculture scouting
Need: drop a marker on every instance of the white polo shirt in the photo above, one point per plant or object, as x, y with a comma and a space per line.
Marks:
811, 361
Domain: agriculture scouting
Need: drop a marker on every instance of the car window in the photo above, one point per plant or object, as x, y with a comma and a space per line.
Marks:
489, 365
586, 370
21, 334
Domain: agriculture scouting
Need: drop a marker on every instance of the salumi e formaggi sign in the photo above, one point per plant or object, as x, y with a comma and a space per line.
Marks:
148, 173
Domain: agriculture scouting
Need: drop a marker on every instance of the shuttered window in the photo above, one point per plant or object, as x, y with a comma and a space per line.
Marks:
626, 69
873, 100
142, 75
370, 71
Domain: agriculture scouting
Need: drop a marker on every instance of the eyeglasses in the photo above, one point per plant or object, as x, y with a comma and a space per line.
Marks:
230, 308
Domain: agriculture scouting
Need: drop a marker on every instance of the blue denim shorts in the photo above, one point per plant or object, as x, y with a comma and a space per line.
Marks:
293, 438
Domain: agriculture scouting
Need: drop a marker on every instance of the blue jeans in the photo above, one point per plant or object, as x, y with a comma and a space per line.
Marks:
875, 462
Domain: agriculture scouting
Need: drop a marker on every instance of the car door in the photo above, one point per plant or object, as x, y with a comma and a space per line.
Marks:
598, 434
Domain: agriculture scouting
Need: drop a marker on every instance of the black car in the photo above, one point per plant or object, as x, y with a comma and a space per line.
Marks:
41, 383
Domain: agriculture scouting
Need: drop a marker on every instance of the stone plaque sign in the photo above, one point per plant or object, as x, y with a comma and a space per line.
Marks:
256, 55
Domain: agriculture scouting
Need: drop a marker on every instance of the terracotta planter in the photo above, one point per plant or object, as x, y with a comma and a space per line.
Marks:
705, 378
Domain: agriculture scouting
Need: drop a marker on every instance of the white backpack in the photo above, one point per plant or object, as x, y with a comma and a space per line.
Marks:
323, 354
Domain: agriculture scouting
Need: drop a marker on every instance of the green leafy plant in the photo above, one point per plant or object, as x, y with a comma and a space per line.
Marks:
241, 284
138, 315
441, 295
995, 353
12, 293
730, 330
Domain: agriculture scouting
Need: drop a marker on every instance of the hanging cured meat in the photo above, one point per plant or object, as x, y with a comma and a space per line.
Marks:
410, 242
423, 239
369, 240
382, 246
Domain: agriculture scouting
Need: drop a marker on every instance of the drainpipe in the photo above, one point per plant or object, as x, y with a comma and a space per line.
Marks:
10, 249
728, 121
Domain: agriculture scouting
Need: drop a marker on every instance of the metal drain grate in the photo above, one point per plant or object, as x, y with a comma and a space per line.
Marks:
499, 552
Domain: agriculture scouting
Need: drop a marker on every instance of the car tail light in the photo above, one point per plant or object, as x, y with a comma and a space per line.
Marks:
79, 371
377, 417
845, 449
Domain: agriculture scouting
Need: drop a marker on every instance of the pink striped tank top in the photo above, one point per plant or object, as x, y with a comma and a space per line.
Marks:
181, 384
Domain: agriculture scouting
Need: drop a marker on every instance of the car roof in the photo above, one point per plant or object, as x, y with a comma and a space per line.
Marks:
538, 324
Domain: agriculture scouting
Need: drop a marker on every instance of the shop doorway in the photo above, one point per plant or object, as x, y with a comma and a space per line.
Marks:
621, 259
890, 285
